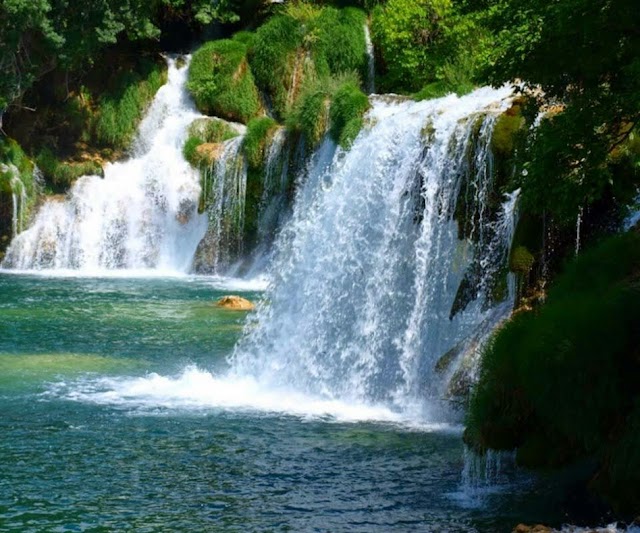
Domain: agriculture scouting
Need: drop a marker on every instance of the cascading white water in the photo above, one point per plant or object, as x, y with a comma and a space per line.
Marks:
142, 215
273, 206
366, 282
19, 199
224, 198
371, 61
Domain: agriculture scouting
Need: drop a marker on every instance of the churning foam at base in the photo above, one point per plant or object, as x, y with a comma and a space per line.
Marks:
196, 389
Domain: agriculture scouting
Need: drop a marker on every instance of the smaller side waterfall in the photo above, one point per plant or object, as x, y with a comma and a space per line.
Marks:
19, 199
371, 61
273, 205
224, 197
142, 215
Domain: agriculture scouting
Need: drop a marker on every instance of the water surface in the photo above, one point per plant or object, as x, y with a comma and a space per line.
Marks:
116, 415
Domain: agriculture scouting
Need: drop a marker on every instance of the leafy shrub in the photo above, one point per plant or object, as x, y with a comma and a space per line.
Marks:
403, 32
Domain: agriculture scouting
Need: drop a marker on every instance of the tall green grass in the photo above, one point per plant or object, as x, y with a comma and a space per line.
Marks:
120, 109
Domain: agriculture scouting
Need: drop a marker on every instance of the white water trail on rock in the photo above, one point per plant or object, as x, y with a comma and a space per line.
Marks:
368, 270
225, 188
141, 215
371, 60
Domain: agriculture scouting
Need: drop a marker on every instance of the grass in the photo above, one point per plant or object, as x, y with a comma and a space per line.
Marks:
259, 131
62, 174
221, 81
120, 109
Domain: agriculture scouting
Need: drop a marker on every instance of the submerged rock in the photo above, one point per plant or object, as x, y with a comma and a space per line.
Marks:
235, 303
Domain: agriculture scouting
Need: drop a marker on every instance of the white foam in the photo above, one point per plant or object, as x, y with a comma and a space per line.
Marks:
96, 273
197, 389
257, 284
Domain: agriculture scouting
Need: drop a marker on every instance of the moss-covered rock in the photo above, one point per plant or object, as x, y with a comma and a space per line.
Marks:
259, 133
506, 130
221, 81
521, 260
348, 107
303, 43
206, 135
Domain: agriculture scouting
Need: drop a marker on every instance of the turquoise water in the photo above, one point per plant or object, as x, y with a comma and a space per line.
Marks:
114, 417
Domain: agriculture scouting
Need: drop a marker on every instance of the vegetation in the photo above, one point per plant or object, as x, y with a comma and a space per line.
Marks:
302, 43
259, 132
221, 81
16, 178
347, 109
404, 32
559, 383
120, 110
206, 131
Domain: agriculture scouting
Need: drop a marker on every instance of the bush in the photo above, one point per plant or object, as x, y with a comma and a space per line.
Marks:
556, 383
403, 32
221, 81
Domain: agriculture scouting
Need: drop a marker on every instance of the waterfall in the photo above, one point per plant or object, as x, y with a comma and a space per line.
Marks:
19, 200
371, 61
273, 205
578, 229
142, 215
392, 257
225, 187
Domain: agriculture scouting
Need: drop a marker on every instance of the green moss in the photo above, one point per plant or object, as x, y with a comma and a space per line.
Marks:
273, 58
521, 260
221, 81
63, 173
190, 150
310, 116
347, 109
258, 133
507, 127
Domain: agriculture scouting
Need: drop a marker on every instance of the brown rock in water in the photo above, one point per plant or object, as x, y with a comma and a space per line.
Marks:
523, 528
235, 303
